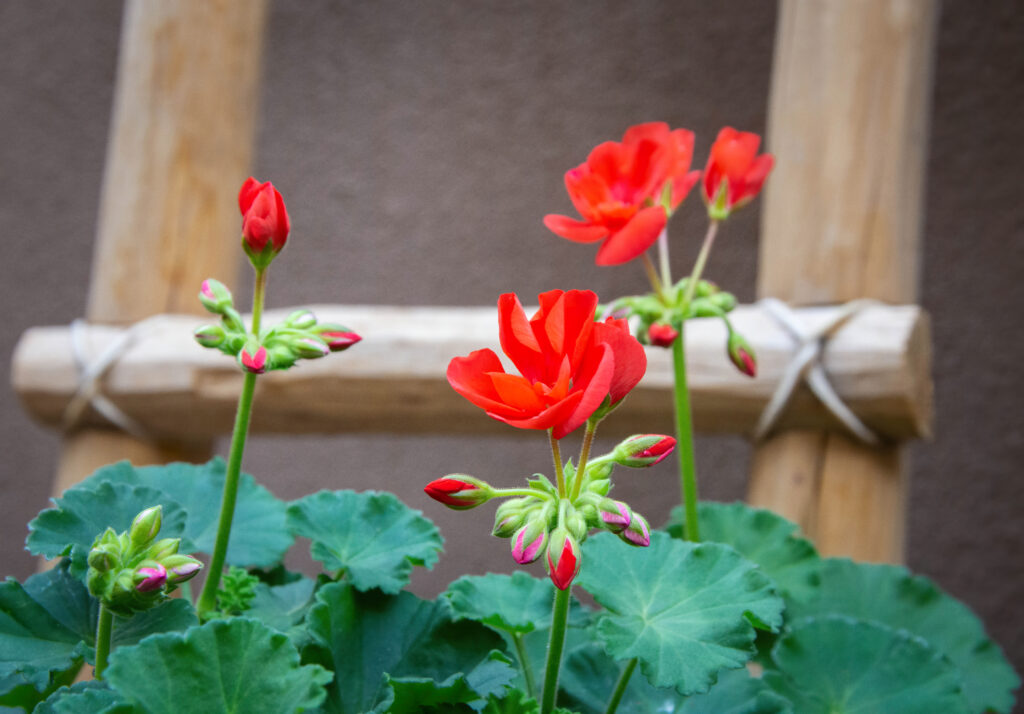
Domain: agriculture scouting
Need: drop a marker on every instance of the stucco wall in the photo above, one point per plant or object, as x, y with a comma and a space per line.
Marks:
419, 144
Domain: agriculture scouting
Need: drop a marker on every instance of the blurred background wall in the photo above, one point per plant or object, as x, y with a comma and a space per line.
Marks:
419, 144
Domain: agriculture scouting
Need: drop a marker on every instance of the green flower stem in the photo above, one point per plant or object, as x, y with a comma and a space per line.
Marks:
559, 622
208, 598
620, 687
104, 629
698, 267
652, 275
581, 469
505, 492
556, 454
684, 435
524, 661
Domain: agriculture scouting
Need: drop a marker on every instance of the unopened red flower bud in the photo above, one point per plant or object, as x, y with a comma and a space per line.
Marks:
741, 354
643, 450
338, 338
253, 360
615, 515
638, 532
529, 541
150, 577
215, 296
459, 491
210, 335
265, 223
564, 558
662, 334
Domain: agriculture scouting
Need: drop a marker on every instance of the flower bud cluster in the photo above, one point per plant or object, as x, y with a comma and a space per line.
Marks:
298, 337
133, 571
541, 522
660, 319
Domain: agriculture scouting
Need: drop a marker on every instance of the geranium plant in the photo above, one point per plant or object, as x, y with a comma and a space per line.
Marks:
739, 614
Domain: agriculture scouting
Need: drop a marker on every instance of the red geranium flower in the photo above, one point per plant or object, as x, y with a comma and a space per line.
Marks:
264, 220
735, 173
618, 191
568, 364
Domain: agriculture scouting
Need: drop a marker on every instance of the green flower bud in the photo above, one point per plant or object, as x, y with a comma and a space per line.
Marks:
301, 319
511, 515
145, 527
215, 296
163, 548
210, 335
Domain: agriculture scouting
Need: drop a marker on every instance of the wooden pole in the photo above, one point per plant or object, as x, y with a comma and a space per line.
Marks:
842, 220
180, 145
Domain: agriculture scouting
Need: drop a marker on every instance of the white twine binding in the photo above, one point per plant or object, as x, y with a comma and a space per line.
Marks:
90, 373
806, 365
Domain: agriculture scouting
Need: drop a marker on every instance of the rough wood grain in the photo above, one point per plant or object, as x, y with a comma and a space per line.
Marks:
180, 145
394, 379
842, 219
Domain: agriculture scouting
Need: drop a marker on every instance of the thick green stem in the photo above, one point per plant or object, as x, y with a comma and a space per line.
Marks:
524, 662
559, 622
104, 629
620, 687
684, 436
208, 598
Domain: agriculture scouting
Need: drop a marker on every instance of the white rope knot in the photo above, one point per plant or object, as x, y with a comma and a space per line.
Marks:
806, 366
91, 373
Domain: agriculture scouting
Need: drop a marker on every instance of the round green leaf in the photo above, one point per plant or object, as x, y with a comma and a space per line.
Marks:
282, 606
373, 537
683, 609
889, 594
762, 536
363, 636
231, 666
517, 603
92, 697
259, 536
839, 665
88, 509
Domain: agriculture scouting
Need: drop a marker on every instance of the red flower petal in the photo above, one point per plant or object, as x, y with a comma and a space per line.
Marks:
637, 236
574, 230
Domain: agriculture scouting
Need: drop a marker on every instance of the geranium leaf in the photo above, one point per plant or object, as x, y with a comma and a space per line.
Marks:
282, 607
224, 667
259, 536
517, 603
92, 697
412, 695
839, 665
683, 609
889, 594
515, 701
373, 537
589, 676
363, 636
762, 536
88, 509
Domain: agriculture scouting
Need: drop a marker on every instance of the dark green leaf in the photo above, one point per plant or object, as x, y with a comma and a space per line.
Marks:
373, 537
88, 509
413, 694
282, 606
259, 536
234, 666
514, 702
762, 536
517, 603
889, 594
85, 698
683, 609
839, 665
362, 636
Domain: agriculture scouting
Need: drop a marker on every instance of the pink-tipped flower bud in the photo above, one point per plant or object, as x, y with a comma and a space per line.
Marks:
145, 527
265, 223
615, 515
150, 577
638, 532
529, 541
661, 334
310, 348
214, 296
301, 319
459, 491
741, 354
181, 568
641, 450
210, 335
337, 337
253, 360
564, 558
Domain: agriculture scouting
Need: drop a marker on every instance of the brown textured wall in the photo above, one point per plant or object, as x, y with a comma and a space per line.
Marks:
419, 144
